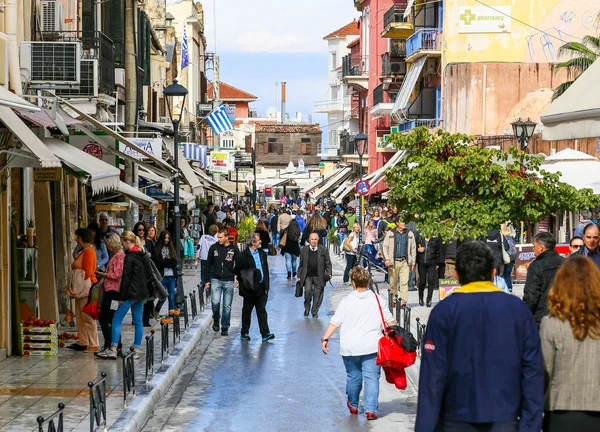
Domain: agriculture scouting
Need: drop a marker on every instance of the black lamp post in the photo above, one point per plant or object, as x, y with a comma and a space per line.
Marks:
173, 91
237, 161
361, 145
523, 131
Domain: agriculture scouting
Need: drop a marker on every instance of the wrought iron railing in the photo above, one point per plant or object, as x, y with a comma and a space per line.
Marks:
149, 356
164, 339
49, 423
128, 375
398, 48
186, 318
378, 94
97, 411
420, 335
176, 327
395, 14
355, 65
392, 66
193, 305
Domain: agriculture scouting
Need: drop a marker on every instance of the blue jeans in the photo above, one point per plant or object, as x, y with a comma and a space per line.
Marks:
359, 368
276, 237
218, 287
507, 271
137, 309
169, 282
341, 239
291, 262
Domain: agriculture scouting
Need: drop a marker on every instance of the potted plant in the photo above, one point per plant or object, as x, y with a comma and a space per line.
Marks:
245, 228
30, 232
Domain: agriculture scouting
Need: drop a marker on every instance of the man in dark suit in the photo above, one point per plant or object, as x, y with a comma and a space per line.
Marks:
252, 270
313, 273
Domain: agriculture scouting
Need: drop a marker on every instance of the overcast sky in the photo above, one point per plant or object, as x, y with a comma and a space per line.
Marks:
263, 42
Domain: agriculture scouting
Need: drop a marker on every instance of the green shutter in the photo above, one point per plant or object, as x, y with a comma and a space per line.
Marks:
88, 16
147, 69
113, 25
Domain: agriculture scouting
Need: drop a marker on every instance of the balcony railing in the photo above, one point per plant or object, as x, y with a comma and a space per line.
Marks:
355, 65
341, 104
392, 66
95, 45
395, 14
378, 95
427, 39
429, 123
347, 145
398, 48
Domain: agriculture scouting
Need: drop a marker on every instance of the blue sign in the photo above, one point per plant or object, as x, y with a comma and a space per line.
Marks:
362, 187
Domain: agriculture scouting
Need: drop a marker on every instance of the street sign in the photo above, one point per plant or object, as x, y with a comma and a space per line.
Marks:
47, 174
268, 192
362, 187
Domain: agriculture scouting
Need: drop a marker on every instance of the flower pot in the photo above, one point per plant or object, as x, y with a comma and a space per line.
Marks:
30, 233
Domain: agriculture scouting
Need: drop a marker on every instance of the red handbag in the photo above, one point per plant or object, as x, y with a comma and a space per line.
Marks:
390, 353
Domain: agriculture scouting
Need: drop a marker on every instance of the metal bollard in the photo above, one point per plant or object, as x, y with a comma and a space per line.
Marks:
186, 319
176, 327
128, 375
398, 310
164, 338
52, 427
407, 311
97, 411
194, 305
201, 297
149, 356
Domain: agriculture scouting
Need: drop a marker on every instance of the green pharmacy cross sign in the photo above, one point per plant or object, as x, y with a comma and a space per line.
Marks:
393, 130
468, 16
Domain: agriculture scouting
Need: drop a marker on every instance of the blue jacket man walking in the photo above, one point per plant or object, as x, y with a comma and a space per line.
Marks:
481, 366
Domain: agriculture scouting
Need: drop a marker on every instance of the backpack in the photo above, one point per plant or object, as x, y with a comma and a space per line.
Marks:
512, 250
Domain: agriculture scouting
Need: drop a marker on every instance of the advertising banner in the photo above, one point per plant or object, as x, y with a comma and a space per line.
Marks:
484, 19
220, 162
151, 145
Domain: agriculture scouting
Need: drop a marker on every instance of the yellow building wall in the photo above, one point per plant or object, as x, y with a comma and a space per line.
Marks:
548, 25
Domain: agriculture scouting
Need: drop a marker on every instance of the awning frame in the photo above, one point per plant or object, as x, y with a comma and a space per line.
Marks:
408, 85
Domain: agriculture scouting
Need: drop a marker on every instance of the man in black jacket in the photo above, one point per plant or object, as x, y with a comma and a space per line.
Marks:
591, 241
211, 217
496, 241
313, 273
221, 261
428, 261
252, 270
540, 274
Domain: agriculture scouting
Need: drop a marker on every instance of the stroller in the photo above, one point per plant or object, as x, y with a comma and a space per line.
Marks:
374, 264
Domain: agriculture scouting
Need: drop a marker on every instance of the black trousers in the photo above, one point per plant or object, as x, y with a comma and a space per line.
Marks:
510, 426
106, 316
258, 301
427, 274
571, 421
148, 311
350, 263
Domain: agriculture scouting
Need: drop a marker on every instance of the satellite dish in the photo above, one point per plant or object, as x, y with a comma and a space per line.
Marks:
272, 112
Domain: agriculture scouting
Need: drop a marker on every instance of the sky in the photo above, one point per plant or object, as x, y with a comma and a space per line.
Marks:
263, 42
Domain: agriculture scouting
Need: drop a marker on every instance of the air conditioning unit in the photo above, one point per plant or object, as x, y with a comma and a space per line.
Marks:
51, 65
120, 77
52, 16
165, 120
431, 68
398, 68
88, 85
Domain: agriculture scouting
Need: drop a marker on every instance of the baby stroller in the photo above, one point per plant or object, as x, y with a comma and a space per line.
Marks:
374, 264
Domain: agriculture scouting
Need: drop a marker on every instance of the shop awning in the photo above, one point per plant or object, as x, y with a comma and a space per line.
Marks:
408, 9
163, 183
210, 184
47, 119
575, 114
398, 156
333, 182
185, 198
101, 176
576, 168
135, 195
158, 161
401, 103
187, 171
11, 100
44, 155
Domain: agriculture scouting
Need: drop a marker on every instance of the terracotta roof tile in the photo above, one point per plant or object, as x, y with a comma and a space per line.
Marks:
288, 128
348, 29
354, 42
229, 92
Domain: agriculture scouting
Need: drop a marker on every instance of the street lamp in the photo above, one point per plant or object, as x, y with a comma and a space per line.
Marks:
523, 131
237, 162
361, 145
173, 91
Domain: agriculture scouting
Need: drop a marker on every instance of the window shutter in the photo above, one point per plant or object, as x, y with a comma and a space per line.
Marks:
265, 148
280, 148
248, 142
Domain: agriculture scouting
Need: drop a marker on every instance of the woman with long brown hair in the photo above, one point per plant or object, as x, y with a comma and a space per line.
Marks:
316, 223
571, 348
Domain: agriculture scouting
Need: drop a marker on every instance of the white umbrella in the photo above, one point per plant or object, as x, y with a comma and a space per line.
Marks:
577, 169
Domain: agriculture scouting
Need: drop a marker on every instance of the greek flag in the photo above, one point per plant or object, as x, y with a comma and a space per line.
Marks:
184, 50
219, 121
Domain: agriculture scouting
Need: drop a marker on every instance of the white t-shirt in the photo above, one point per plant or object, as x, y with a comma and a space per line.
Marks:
360, 322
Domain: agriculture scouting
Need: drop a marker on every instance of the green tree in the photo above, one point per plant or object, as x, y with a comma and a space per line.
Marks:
460, 190
579, 56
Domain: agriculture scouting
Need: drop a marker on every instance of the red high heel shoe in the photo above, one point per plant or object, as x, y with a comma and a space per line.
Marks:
352, 410
371, 416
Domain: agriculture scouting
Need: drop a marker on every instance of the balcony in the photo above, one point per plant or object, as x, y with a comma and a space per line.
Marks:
378, 94
97, 62
332, 105
355, 70
381, 106
348, 150
392, 67
426, 41
394, 23
410, 125
398, 48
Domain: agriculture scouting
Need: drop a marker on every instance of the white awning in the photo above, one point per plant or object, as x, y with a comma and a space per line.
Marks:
382, 108
102, 176
185, 198
210, 184
399, 111
398, 156
575, 114
135, 195
11, 100
334, 181
188, 172
408, 9
159, 161
163, 183
344, 190
46, 158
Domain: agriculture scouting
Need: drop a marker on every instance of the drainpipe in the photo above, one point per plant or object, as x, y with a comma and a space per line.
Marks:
10, 26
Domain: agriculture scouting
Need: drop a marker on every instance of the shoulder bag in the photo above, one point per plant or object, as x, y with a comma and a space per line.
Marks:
283, 240
348, 245
79, 286
505, 255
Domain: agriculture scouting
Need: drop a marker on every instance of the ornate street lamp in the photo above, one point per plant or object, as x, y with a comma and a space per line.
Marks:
237, 157
523, 131
173, 91
361, 145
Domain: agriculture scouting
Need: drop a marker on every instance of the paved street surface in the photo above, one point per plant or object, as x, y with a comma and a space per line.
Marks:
284, 385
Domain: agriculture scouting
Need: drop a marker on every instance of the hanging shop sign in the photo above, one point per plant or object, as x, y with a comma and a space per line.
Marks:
268, 192
151, 145
91, 147
383, 144
484, 19
47, 174
220, 162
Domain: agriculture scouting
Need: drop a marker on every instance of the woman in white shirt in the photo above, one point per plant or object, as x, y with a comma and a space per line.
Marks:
351, 247
359, 317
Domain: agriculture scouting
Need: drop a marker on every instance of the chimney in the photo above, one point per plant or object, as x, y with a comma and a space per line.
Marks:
283, 96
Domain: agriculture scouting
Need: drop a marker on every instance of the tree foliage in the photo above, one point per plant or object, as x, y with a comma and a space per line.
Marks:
579, 57
460, 190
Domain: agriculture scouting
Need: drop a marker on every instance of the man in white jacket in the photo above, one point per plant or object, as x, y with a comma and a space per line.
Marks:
206, 241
